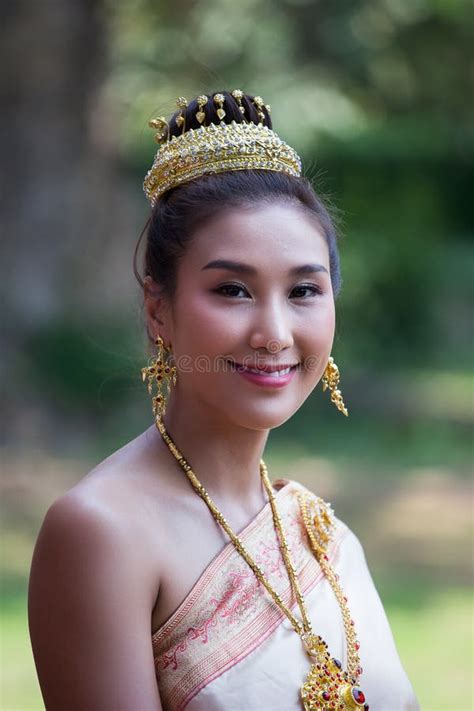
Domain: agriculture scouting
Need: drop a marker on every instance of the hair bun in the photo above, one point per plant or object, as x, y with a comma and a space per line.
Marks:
217, 107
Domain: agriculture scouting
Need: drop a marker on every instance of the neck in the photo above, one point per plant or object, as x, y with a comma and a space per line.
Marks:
225, 457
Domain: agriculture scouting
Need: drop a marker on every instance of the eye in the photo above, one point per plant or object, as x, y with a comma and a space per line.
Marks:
234, 291
230, 289
314, 290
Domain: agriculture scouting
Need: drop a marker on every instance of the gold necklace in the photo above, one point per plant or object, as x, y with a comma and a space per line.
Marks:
327, 686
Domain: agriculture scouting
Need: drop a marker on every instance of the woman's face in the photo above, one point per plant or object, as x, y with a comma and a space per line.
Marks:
253, 291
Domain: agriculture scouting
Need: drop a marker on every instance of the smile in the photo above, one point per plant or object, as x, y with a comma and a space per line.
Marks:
273, 376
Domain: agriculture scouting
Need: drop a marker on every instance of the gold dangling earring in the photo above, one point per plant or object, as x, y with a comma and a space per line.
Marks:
160, 373
330, 380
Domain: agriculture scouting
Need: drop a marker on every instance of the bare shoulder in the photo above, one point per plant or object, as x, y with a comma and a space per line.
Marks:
118, 503
91, 592
123, 486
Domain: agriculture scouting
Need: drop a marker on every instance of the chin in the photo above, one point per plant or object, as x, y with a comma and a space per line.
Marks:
262, 418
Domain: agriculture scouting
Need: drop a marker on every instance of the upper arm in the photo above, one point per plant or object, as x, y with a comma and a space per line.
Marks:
89, 612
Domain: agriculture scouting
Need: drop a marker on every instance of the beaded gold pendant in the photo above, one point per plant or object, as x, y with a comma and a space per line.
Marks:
328, 687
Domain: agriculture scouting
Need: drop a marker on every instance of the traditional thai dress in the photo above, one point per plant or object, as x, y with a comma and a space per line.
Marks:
229, 647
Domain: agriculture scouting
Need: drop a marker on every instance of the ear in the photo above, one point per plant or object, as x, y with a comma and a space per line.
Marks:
156, 310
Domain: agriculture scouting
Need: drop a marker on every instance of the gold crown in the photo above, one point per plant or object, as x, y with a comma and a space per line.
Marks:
216, 148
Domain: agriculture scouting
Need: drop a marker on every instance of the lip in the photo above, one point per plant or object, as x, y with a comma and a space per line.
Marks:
267, 368
262, 379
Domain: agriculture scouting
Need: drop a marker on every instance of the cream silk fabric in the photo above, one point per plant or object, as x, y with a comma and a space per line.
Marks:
228, 647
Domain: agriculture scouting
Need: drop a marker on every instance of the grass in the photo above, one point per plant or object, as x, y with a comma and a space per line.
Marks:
19, 685
435, 646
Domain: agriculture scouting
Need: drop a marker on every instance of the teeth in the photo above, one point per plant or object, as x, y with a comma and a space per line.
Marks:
274, 374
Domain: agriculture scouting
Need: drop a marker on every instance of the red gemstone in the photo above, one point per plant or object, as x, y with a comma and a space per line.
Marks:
326, 696
358, 695
357, 646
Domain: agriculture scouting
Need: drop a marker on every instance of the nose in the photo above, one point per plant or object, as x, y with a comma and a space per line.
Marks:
271, 328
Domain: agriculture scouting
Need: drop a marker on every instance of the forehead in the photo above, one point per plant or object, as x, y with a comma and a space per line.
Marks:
270, 237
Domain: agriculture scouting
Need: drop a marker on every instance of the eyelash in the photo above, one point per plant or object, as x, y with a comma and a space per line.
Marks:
313, 287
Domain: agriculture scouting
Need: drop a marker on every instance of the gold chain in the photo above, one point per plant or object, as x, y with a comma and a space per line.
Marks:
223, 522
285, 550
316, 647
353, 661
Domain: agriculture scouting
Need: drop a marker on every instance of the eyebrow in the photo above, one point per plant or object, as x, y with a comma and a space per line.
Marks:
241, 268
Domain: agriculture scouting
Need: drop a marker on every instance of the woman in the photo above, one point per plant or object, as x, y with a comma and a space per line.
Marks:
138, 599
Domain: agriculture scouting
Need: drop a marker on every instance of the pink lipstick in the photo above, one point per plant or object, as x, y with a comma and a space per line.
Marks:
267, 376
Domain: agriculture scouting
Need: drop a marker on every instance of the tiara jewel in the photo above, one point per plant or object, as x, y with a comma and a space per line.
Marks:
219, 100
217, 149
201, 102
238, 96
161, 124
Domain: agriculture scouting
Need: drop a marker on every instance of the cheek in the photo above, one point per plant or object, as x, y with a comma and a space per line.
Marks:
329, 323
319, 324
317, 341
206, 328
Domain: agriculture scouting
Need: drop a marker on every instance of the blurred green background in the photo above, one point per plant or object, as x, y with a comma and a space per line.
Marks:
375, 96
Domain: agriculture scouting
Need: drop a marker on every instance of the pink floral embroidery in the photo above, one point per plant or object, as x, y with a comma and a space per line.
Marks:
240, 594
246, 600
226, 608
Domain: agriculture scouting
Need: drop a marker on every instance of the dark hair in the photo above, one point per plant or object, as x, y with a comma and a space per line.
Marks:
179, 211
